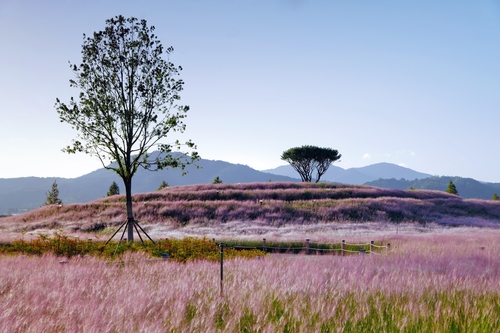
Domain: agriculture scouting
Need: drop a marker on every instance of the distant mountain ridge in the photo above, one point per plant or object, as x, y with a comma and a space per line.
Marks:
467, 187
357, 175
28, 193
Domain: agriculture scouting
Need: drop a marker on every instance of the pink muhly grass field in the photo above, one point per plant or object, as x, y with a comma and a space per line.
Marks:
432, 283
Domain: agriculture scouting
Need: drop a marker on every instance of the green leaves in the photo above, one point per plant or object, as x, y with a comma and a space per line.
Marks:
53, 196
451, 188
113, 189
307, 159
127, 100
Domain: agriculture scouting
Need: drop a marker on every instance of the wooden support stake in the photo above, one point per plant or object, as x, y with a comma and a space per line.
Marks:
123, 224
342, 247
307, 245
371, 247
264, 245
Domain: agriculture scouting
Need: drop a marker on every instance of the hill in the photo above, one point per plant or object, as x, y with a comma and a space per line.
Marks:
260, 207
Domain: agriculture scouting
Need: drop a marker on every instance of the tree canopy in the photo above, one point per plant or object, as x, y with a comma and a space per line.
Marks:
308, 159
128, 103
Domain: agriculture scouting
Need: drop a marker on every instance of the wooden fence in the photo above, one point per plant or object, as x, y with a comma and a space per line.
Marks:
308, 247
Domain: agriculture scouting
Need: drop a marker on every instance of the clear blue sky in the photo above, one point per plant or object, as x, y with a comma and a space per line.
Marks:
415, 83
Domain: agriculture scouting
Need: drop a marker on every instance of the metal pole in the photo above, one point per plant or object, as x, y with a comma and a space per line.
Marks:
221, 245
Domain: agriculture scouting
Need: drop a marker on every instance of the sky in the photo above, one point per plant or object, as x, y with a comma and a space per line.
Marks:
414, 83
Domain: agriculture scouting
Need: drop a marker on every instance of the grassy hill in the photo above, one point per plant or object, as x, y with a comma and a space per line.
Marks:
274, 204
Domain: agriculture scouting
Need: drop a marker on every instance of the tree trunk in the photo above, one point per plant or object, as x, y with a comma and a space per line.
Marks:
130, 214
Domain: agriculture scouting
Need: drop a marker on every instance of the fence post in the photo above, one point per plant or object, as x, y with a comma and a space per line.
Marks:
307, 245
221, 268
342, 247
388, 246
263, 245
371, 247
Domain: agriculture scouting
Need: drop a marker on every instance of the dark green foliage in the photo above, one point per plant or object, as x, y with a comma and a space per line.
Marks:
308, 159
217, 180
127, 102
113, 189
451, 188
53, 196
495, 197
163, 185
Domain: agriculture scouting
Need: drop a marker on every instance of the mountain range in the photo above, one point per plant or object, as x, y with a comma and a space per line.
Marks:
467, 187
357, 175
28, 193
392, 176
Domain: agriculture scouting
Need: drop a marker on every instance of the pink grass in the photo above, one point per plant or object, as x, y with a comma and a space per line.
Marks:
286, 202
428, 276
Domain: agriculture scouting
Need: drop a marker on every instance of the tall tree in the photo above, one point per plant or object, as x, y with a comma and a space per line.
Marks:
452, 189
127, 103
113, 189
307, 159
53, 196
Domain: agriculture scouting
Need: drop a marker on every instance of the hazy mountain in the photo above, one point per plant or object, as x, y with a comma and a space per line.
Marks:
467, 187
27, 193
357, 175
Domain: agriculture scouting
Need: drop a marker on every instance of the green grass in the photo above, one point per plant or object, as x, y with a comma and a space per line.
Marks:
181, 250
379, 313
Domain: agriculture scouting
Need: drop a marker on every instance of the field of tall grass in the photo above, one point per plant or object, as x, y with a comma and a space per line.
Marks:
426, 283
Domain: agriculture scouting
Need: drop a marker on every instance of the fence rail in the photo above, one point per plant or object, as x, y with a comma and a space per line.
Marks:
315, 248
